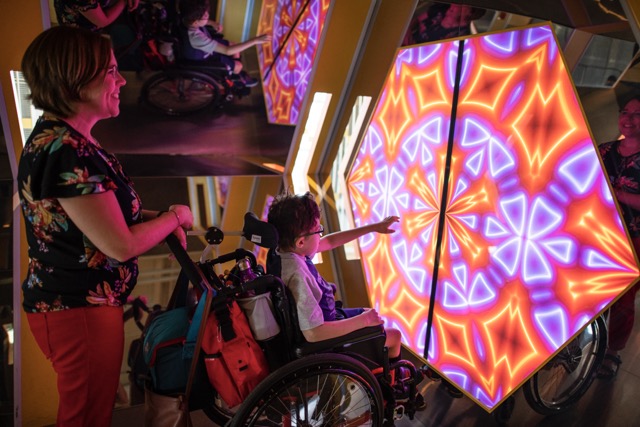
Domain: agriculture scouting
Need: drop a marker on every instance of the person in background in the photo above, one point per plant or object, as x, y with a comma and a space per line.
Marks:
441, 21
621, 159
84, 222
94, 15
202, 41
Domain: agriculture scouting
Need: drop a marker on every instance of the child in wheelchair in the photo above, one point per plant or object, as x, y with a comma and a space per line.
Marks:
297, 220
202, 42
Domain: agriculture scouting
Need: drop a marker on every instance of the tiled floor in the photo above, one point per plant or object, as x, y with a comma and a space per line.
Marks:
610, 404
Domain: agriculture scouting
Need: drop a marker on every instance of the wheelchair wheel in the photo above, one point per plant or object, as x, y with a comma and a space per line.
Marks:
567, 377
317, 390
180, 92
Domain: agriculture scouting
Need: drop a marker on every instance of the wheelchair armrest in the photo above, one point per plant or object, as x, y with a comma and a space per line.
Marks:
343, 343
218, 69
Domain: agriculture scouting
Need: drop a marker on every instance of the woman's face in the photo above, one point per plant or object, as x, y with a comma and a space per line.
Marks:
101, 97
629, 120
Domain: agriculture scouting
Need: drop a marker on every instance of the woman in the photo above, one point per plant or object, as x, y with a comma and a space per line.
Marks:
91, 14
621, 159
84, 222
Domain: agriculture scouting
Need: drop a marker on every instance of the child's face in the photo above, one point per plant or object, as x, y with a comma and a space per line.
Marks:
204, 19
307, 244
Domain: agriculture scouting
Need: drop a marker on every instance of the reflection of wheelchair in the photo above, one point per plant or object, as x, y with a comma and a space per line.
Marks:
180, 86
343, 381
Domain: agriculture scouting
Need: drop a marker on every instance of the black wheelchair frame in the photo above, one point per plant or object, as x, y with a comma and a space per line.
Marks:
342, 381
185, 87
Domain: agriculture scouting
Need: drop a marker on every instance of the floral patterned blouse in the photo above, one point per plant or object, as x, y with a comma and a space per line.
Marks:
624, 174
65, 269
69, 12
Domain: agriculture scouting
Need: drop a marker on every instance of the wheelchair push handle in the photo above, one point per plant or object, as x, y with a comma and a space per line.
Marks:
194, 274
236, 255
262, 284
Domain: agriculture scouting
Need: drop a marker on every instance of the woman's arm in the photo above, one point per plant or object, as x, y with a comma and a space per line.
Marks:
630, 199
339, 328
102, 17
333, 240
99, 217
237, 48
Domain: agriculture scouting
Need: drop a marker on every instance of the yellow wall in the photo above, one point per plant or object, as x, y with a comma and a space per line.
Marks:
21, 22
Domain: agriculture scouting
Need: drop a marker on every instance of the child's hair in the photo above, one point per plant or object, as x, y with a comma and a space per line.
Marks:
293, 215
191, 11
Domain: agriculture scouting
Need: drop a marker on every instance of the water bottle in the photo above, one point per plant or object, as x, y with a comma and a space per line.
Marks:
246, 274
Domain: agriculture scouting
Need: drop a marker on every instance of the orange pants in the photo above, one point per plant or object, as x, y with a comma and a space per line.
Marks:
85, 346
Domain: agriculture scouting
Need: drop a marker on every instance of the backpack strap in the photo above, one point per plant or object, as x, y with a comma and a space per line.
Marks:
223, 314
194, 327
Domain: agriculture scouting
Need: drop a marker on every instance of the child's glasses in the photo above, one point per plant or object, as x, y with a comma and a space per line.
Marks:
315, 232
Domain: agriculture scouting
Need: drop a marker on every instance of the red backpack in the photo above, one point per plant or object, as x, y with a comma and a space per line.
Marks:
235, 362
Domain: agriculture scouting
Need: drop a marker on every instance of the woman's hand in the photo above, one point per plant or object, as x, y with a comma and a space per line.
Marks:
184, 215
182, 238
383, 226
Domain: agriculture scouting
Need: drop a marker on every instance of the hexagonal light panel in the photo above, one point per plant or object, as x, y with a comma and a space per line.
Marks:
286, 63
481, 147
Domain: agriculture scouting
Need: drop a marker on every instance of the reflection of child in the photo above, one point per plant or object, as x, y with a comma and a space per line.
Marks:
203, 43
297, 219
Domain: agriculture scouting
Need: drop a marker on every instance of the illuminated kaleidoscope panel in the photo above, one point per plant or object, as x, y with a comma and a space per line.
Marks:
286, 63
531, 244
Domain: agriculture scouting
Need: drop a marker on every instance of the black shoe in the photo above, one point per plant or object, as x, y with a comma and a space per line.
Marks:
420, 403
451, 389
250, 81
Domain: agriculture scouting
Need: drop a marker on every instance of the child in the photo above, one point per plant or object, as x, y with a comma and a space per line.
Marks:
297, 219
200, 43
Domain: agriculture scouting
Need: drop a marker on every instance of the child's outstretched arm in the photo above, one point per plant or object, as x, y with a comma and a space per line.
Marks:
339, 238
237, 48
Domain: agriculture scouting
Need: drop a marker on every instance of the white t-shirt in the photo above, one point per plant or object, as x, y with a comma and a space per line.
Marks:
200, 39
306, 292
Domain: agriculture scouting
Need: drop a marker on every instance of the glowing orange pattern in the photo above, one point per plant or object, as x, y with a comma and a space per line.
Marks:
295, 31
532, 246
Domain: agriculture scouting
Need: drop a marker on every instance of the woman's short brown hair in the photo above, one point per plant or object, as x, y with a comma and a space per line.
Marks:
59, 63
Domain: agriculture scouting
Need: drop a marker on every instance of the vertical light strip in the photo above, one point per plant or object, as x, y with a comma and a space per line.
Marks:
246, 28
339, 171
27, 113
308, 142
222, 8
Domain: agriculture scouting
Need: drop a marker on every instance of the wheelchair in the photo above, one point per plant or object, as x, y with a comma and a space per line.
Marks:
345, 381
180, 86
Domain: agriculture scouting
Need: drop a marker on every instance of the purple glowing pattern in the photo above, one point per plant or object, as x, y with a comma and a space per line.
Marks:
531, 243
286, 63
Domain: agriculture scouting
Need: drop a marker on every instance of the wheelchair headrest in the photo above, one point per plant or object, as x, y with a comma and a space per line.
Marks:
259, 232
